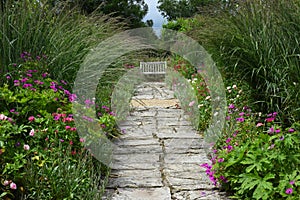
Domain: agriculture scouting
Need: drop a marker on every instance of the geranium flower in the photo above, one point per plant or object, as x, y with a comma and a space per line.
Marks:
26, 147
13, 186
31, 133
289, 191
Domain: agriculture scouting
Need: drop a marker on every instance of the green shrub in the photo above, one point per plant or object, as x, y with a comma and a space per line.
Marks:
64, 35
261, 45
39, 137
256, 158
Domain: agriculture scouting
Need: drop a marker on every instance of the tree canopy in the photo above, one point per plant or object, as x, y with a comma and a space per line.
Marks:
174, 9
130, 11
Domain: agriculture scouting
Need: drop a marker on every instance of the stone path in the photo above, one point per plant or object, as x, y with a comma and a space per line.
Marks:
158, 157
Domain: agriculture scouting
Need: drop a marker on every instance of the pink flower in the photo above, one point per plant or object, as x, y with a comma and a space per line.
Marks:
221, 160
277, 131
31, 118
291, 130
71, 142
228, 140
191, 103
68, 127
81, 139
231, 106
289, 191
241, 114
271, 130
31, 132
259, 124
13, 186
73, 129
292, 182
26, 147
270, 119
240, 119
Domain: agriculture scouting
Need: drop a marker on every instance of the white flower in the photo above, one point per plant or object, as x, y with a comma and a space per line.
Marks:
26, 147
229, 87
229, 91
3, 117
240, 91
208, 97
234, 86
237, 96
200, 105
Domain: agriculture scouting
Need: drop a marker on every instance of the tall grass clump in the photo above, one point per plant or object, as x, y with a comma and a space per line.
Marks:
261, 46
61, 33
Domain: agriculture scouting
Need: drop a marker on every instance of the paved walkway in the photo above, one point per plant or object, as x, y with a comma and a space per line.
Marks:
158, 157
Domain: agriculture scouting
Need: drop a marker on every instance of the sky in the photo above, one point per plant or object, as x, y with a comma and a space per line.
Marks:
154, 14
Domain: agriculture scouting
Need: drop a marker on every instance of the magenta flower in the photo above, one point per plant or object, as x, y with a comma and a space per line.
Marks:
271, 130
231, 106
221, 160
228, 140
240, 119
292, 182
73, 129
270, 119
68, 127
13, 186
31, 118
241, 114
289, 191
277, 131
291, 130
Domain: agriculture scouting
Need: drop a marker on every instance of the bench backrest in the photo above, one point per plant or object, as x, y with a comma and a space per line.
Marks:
153, 67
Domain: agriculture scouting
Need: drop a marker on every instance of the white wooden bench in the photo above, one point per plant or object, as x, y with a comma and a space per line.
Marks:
153, 67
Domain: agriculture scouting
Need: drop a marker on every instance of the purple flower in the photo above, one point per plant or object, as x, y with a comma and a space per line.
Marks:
221, 160
291, 130
229, 147
271, 130
241, 114
277, 131
240, 119
292, 182
44, 75
8, 77
27, 85
223, 179
29, 75
281, 138
63, 82
231, 106
228, 140
24, 80
289, 191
